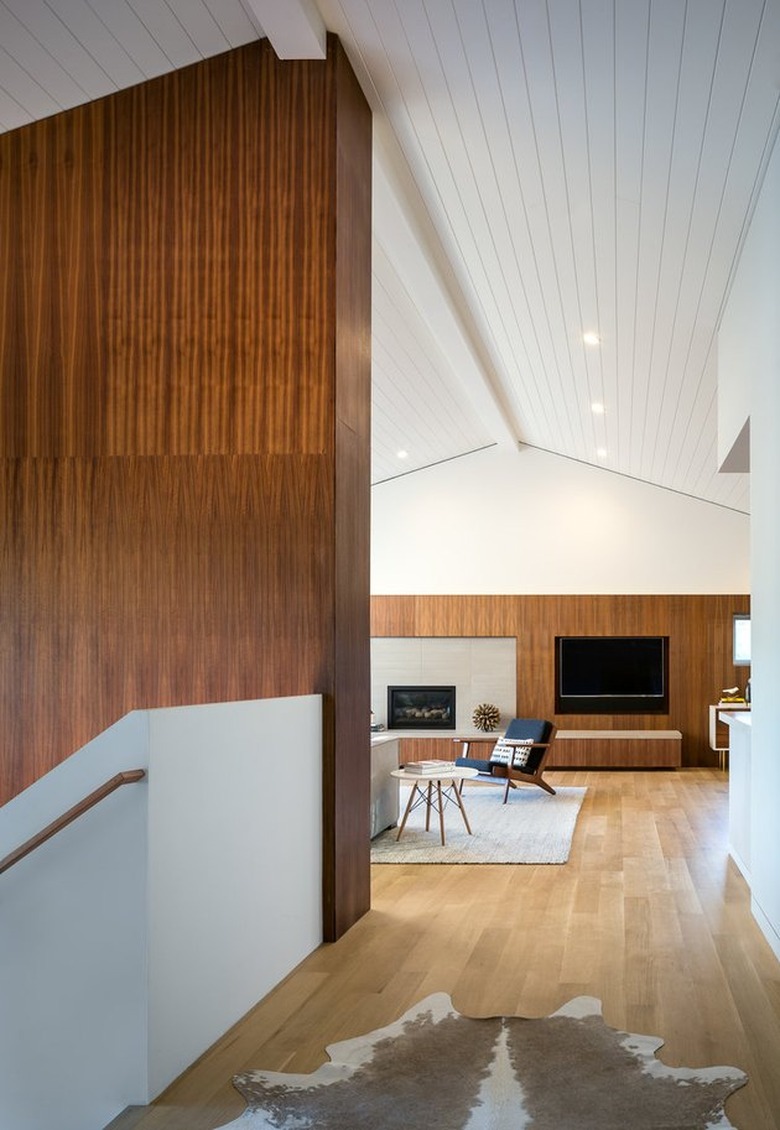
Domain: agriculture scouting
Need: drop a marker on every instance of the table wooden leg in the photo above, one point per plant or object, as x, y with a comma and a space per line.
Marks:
462, 807
429, 802
419, 795
407, 810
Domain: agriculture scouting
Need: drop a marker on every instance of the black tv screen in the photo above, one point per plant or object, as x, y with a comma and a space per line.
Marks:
611, 674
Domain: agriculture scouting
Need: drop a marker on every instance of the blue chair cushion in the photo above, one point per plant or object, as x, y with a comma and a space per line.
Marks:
483, 767
537, 729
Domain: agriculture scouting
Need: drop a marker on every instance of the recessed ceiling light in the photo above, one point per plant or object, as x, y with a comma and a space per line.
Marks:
601, 452
591, 338
402, 454
597, 409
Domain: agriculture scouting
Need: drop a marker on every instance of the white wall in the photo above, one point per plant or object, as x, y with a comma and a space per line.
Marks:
235, 880
133, 939
753, 312
503, 521
73, 991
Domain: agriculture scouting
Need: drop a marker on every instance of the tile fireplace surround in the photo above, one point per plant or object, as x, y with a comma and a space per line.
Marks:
481, 669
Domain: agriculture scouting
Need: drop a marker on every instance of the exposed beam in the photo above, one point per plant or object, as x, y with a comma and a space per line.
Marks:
403, 235
295, 28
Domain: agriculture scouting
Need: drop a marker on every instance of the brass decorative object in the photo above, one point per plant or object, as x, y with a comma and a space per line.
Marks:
486, 716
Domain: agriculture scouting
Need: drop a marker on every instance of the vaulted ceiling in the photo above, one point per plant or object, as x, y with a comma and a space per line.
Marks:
543, 169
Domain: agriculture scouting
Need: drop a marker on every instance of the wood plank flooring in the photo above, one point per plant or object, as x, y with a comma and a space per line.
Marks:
650, 915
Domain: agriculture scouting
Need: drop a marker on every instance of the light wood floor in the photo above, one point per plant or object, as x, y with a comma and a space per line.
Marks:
649, 915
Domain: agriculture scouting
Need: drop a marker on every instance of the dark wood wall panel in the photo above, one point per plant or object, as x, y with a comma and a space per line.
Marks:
163, 242
699, 630
143, 582
347, 799
184, 353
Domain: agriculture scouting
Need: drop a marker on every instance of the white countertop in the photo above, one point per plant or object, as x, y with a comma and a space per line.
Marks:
381, 736
735, 717
619, 735
460, 735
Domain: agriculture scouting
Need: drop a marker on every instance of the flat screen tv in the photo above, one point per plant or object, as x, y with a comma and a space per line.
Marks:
611, 674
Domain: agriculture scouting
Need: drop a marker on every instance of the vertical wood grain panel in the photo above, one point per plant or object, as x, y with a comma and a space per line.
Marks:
184, 442
167, 258
49, 254
347, 785
698, 626
143, 582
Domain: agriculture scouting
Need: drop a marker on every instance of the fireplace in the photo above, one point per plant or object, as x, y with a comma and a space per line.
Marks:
421, 708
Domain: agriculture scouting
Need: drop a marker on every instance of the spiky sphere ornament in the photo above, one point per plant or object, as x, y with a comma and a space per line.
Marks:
486, 716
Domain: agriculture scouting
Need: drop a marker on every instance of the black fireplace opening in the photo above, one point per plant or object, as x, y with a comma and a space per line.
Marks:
421, 708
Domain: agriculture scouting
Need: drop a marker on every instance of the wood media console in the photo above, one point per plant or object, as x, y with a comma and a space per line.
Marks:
572, 749
616, 749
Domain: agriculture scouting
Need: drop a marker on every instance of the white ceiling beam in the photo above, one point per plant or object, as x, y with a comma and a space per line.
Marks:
294, 27
397, 231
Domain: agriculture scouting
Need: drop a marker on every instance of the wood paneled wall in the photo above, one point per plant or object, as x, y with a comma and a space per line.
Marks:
185, 428
699, 630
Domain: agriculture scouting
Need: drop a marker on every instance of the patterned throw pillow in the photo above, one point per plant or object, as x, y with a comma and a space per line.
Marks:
501, 754
505, 753
520, 756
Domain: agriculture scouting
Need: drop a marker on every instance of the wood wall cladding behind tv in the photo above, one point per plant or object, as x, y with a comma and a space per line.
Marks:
699, 628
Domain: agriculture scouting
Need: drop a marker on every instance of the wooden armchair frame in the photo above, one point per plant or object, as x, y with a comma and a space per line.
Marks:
509, 773
535, 778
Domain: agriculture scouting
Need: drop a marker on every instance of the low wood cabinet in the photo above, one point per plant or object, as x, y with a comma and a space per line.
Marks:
616, 749
572, 749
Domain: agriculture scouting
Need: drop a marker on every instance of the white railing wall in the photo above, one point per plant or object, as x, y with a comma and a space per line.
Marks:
133, 939
235, 881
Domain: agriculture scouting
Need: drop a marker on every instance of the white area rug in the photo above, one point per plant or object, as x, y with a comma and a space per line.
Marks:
532, 827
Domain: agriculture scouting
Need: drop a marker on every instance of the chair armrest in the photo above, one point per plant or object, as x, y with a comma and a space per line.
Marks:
539, 758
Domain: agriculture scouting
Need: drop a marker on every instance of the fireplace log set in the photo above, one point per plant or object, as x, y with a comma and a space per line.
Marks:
415, 707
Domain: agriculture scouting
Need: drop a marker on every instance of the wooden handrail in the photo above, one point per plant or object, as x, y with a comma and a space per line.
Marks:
127, 777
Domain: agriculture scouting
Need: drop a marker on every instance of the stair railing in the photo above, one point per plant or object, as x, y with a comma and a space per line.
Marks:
127, 777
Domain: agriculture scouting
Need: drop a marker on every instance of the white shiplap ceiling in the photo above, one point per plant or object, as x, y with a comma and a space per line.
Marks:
542, 168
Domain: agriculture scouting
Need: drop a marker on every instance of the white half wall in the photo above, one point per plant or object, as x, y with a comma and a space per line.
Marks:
73, 978
235, 879
503, 521
133, 939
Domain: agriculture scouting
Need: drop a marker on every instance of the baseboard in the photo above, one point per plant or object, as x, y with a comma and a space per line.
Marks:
767, 929
128, 1119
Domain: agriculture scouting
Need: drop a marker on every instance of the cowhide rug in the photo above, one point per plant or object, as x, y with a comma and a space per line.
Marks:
437, 1070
